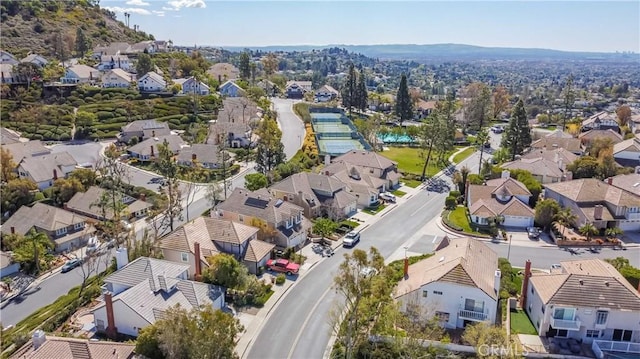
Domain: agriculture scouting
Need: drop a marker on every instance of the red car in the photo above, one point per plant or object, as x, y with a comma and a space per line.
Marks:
283, 265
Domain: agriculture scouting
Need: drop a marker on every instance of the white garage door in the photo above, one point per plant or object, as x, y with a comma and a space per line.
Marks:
630, 225
515, 221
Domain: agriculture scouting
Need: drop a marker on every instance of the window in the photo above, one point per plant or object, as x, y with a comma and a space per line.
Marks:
474, 305
78, 225
593, 333
425, 293
100, 324
531, 290
564, 313
601, 317
185, 257
542, 308
437, 292
298, 218
289, 224
240, 218
622, 335
442, 316
61, 231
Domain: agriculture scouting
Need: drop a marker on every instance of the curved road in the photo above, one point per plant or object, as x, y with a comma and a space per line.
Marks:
292, 127
299, 326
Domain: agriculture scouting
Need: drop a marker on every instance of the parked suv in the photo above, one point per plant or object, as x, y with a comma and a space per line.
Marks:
283, 265
351, 239
387, 196
533, 232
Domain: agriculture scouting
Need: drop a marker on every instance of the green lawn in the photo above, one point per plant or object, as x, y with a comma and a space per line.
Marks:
520, 323
461, 156
399, 193
458, 217
411, 183
373, 211
409, 160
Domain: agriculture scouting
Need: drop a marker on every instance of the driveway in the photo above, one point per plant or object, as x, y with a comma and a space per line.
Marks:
292, 127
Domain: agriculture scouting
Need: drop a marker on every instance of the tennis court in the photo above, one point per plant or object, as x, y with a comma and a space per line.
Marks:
324, 116
338, 146
331, 127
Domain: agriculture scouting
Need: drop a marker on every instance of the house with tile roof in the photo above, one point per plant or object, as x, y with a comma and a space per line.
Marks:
67, 230
459, 284
320, 195
44, 170
543, 170
359, 182
139, 293
147, 150
42, 346
373, 163
143, 130
117, 78
80, 74
629, 182
280, 222
558, 155
152, 82
587, 137
504, 197
203, 155
206, 237
553, 142
88, 204
597, 202
23, 149
297, 89
601, 121
587, 300
231, 89
326, 93
111, 62
223, 71
627, 152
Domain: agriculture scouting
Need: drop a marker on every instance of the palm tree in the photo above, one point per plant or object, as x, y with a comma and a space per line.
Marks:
565, 217
588, 230
613, 232
34, 245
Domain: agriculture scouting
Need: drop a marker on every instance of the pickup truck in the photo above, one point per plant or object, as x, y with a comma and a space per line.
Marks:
283, 265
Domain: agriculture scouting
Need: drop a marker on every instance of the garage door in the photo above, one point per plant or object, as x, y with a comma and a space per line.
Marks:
629, 225
515, 221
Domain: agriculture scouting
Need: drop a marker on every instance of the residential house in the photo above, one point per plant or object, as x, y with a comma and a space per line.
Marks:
118, 78
601, 121
556, 155
318, 194
627, 152
20, 150
193, 86
587, 300
634, 123
297, 89
152, 82
147, 150
36, 60
67, 230
504, 197
80, 74
8, 136
270, 88
280, 222
7, 265
8, 58
597, 202
375, 164
88, 204
459, 284
460, 138
206, 237
238, 135
629, 182
113, 49
223, 72
140, 47
143, 130
111, 62
231, 89
139, 293
424, 108
326, 93
163, 46
7, 74
206, 156
554, 141
45, 169
587, 137
543, 170
41, 346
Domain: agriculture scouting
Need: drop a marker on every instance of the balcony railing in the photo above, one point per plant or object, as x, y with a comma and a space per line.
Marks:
471, 315
566, 324
601, 346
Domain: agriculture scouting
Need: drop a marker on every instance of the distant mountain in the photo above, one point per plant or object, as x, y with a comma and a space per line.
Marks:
448, 52
34, 26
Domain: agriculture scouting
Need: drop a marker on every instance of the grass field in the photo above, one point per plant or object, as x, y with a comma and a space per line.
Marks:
410, 183
398, 193
461, 156
520, 323
459, 218
409, 160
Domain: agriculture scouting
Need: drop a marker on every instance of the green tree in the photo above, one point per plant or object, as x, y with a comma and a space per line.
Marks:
485, 335
84, 120
588, 230
245, 65
255, 181
226, 271
477, 108
270, 64
569, 98
500, 101
148, 343
269, 149
361, 90
7, 166
144, 64
607, 166
167, 167
83, 43
17, 193
404, 105
350, 89
29, 252
566, 218
86, 176
518, 136
65, 188
460, 179
428, 134
584, 167
481, 138
324, 227
613, 232
545, 211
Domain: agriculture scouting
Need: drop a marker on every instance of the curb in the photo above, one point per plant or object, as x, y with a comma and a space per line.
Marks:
33, 284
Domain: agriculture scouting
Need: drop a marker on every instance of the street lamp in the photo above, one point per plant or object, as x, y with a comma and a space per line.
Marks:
405, 251
509, 248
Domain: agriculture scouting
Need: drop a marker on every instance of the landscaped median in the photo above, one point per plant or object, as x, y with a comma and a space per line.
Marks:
457, 220
463, 154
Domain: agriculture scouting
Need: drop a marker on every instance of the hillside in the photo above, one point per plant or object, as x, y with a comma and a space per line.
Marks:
49, 27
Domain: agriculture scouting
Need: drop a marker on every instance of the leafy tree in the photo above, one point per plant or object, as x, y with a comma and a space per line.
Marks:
477, 108
350, 89
226, 271
598, 145
607, 166
569, 98
324, 227
86, 176
245, 65
28, 71
84, 120
428, 134
269, 150
65, 188
566, 218
144, 64
624, 115
404, 105
613, 232
460, 179
629, 272
481, 138
17, 193
584, 167
168, 168
545, 211
361, 91
83, 43
148, 343
500, 101
270, 64
518, 136
484, 335
7, 166
588, 230
255, 181
29, 251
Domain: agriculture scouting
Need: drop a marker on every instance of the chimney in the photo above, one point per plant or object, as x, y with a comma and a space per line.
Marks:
597, 212
13, 230
496, 281
65, 206
55, 174
525, 283
143, 197
153, 133
196, 251
327, 160
194, 157
505, 174
406, 268
122, 258
327, 173
111, 330
152, 153
610, 180
561, 165
568, 176
466, 189
38, 339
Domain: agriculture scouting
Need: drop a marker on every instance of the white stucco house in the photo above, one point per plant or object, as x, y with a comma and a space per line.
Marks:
118, 78
192, 86
80, 74
36, 60
110, 62
627, 152
587, 300
459, 284
44, 170
152, 82
231, 89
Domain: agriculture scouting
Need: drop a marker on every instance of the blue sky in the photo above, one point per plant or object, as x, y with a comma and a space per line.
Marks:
570, 25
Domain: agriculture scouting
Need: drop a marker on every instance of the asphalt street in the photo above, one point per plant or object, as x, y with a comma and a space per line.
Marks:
292, 127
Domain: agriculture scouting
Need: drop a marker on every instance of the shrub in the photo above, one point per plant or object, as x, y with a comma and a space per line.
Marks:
450, 203
280, 279
454, 193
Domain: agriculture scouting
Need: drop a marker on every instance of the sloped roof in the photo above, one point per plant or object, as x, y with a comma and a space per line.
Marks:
591, 135
599, 117
464, 261
308, 183
41, 168
537, 166
144, 148
122, 74
550, 143
559, 134
630, 145
84, 71
512, 186
490, 207
143, 269
354, 176
142, 125
8, 136
364, 158
259, 204
587, 283
155, 77
224, 70
75, 348
42, 216
86, 202
594, 190
20, 150
257, 250
555, 155
205, 153
629, 182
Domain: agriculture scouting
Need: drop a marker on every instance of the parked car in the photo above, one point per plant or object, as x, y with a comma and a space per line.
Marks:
283, 266
70, 264
387, 196
533, 232
351, 239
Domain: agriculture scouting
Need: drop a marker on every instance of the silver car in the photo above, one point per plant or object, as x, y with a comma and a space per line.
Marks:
351, 239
